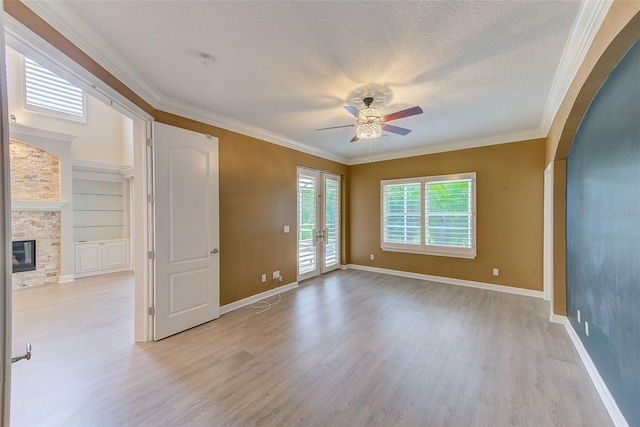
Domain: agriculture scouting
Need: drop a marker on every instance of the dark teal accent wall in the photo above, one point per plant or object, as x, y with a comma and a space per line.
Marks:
603, 233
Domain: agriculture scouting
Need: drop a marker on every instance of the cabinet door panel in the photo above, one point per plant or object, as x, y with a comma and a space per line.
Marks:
114, 255
88, 257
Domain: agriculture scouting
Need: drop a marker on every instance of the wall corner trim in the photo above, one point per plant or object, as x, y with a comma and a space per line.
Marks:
451, 281
602, 389
255, 298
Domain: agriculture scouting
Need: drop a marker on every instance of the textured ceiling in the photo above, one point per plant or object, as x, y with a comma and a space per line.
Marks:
478, 69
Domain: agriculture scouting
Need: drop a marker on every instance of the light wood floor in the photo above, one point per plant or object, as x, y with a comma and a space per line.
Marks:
347, 349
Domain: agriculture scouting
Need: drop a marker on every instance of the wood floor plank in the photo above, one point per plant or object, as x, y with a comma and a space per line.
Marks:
350, 348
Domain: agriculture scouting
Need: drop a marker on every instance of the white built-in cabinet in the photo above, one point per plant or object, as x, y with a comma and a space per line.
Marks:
100, 219
99, 257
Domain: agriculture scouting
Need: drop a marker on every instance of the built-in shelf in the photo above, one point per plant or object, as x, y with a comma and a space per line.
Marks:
98, 204
98, 194
37, 205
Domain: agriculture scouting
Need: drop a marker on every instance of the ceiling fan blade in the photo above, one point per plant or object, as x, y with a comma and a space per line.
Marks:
353, 110
355, 138
395, 129
337, 127
401, 114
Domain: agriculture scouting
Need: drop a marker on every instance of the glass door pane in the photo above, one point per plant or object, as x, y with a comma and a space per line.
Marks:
331, 222
307, 224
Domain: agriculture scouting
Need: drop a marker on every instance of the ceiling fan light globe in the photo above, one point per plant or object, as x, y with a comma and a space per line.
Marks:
371, 114
369, 131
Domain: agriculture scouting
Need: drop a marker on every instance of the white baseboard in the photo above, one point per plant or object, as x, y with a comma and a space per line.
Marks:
255, 298
608, 400
451, 281
65, 279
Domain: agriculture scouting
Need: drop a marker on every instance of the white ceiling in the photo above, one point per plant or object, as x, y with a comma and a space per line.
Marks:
483, 72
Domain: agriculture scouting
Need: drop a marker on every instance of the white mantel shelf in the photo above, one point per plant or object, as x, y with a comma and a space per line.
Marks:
37, 205
29, 134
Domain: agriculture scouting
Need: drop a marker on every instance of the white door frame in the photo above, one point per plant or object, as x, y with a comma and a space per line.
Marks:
320, 246
17, 35
5, 237
548, 237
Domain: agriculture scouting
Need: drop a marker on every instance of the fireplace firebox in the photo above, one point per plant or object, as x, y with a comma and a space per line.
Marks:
24, 255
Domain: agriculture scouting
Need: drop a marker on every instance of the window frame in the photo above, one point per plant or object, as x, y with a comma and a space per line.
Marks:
51, 112
424, 248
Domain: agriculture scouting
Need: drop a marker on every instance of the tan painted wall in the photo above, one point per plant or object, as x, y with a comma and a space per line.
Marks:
509, 213
258, 196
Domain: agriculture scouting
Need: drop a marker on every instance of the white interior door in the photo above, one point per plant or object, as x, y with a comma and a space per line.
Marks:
187, 265
318, 222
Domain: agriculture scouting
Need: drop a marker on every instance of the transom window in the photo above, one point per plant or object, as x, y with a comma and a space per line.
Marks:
46, 92
432, 215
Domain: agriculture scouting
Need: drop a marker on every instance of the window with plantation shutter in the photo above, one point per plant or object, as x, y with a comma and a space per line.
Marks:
401, 204
45, 91
431, 215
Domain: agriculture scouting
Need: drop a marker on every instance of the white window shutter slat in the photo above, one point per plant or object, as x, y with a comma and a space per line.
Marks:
44, 89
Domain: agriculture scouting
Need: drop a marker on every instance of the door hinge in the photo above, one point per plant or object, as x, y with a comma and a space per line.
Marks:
149, 142
151, 311
151, 254
151, 198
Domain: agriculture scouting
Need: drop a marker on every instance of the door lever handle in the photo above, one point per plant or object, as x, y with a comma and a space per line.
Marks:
214, 251
24, 356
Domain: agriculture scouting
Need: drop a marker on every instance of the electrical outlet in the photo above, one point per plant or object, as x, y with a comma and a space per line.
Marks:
372, 257
586, 327
276, 274
579, 316
264, 278
496, 271
286, 228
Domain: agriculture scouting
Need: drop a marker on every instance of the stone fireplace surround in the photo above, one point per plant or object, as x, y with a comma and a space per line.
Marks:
41, 185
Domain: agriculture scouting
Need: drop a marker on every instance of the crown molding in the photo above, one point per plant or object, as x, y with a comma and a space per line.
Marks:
64, 20
453, 146
183, 109
585, 28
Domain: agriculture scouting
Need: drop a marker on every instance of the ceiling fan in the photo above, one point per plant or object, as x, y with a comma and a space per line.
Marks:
370, 122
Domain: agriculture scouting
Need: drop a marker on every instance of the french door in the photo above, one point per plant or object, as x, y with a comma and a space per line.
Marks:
318, 222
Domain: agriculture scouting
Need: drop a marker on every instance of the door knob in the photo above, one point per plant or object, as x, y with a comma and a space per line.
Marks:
24, 356
214, 251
